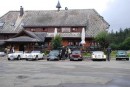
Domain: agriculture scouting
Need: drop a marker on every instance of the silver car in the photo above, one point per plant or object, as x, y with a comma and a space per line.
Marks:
53, 55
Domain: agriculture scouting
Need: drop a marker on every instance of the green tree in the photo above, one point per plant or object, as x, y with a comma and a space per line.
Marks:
56, 42
103, 39
126, 43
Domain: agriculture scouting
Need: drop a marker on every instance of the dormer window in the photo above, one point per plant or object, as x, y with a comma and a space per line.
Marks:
22, 24
1, 25
12, 24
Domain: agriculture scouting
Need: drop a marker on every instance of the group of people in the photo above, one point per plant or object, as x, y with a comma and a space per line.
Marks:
65, 52
9, 50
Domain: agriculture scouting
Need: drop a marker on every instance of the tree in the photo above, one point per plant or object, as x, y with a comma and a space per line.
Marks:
56, 42
103, 39
126, 43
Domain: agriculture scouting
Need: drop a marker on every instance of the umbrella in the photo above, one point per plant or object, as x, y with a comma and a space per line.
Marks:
55, 32
83, 36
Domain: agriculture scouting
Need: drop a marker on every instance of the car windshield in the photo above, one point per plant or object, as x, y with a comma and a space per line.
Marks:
121, 52
35, 52
54, 52
98, 52
76, 52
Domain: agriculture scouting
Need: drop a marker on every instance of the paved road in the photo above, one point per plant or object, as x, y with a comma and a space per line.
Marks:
64, 73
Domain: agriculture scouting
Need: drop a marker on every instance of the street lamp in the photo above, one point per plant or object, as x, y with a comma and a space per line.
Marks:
24, 48
42, 47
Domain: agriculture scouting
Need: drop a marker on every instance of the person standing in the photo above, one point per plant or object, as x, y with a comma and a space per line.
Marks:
108, 53
63, 52
69, 52
12, 50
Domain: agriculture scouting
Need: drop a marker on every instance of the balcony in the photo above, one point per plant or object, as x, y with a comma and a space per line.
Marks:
65, 34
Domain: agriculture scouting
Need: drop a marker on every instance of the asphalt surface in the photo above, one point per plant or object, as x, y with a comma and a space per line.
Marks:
64, 73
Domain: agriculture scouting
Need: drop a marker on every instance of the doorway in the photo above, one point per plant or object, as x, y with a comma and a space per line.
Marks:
21, 47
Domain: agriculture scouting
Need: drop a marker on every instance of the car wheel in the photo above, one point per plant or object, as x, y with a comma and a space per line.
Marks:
36, 58
92, 59
127, 59
104, 60
71, 59
18, 57
47, 59
8, 58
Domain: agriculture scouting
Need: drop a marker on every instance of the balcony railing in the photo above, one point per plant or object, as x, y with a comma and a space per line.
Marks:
64, 34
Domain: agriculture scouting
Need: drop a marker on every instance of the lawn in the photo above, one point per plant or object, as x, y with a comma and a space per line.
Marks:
113, 54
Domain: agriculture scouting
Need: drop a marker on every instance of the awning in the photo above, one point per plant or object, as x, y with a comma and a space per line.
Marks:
23, 39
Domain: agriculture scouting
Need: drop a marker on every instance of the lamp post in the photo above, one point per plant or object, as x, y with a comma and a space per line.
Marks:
24, 48
42, 47
36, 46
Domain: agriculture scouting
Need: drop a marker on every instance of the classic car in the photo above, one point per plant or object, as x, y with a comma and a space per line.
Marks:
35, 55
16, 55
53, 55
98, 55
25, 55
76, 55
122, 54
2, 54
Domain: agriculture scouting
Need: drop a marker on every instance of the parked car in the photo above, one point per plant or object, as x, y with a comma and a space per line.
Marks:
98, 55
16, 55
25, 55
2, 54
122, 54
35, 55
54, 55
76, 55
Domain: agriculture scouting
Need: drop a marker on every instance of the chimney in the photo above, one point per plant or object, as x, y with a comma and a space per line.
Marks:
21, 11
58, 6
66, 8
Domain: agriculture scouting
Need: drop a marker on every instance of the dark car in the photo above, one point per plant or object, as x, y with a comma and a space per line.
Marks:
76, 55
53, 55
122, 54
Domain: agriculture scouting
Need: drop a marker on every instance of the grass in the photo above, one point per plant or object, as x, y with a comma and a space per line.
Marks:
113, 54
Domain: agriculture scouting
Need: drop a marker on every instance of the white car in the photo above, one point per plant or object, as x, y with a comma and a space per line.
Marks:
2, 54
25, 55
98, 55
35, 55
16, 55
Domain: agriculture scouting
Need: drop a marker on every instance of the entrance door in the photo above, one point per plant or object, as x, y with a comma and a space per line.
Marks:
21, 47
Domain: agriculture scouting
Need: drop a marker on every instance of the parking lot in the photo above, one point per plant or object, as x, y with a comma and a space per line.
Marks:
64, 73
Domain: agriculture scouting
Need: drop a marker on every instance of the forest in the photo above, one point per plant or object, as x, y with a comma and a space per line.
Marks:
120, 40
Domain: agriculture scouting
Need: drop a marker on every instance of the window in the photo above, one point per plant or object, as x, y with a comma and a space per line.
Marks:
74, 29
1, 25
33, 30
66, 30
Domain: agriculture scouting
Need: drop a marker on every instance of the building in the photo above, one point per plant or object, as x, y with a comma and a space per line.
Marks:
24, 30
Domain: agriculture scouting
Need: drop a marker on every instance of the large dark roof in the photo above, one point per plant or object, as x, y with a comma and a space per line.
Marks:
29, 37
88, 18
22, 39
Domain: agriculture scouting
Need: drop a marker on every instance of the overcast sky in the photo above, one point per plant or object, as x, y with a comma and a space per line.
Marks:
115, 12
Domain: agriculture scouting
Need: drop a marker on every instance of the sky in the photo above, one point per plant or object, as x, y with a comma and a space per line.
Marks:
115, 12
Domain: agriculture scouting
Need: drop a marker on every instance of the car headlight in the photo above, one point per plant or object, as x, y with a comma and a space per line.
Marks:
93, 56
104, 56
